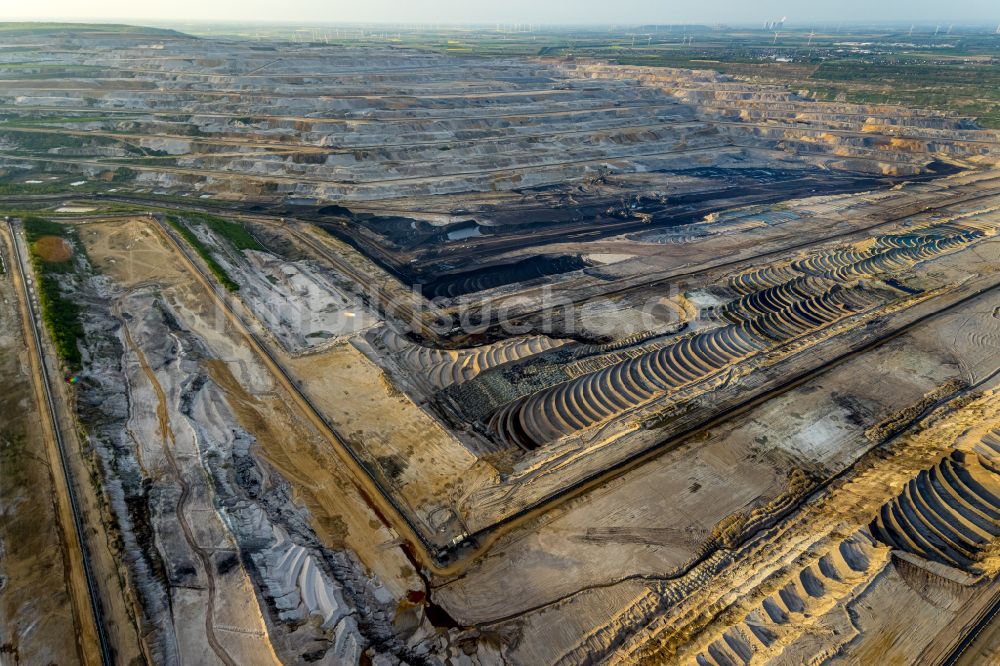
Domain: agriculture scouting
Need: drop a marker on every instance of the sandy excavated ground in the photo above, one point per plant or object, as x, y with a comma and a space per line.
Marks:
775, 558
38, 624
623, 571
636, 517
413, 454
631, 548
384, 423
179, 437
817, 427
745, 409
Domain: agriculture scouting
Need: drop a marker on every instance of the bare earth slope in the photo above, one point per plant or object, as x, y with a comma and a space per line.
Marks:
388, 356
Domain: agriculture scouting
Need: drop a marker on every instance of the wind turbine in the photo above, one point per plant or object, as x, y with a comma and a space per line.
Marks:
812, 33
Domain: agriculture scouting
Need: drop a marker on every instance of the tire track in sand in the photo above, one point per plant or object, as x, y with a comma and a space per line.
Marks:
167, 434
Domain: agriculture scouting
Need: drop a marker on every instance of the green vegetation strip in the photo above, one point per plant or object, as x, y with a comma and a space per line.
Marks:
61, 315
28, 140
204, 252
234, 232
8, 189
10, 185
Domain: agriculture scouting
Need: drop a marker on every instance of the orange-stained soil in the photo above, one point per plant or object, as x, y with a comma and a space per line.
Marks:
53, 249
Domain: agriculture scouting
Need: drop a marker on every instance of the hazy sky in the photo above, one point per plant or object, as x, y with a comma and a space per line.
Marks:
800, 13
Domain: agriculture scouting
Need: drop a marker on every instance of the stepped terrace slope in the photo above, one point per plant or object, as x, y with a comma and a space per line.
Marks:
387, 355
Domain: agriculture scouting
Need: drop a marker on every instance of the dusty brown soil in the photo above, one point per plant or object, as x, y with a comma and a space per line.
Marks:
985, 649
36, 609
129, 252
624, 527
847, 505
319, 480
431, 467
53, 249
132, 253
117, 604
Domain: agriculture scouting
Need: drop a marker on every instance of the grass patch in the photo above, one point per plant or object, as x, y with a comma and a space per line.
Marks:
12, 182
29, 141
60, 314
234, 232
36, 227
42, 141
8, 189
206, 254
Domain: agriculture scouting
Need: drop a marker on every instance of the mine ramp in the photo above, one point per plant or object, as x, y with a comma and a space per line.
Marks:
421, 348
737, 339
